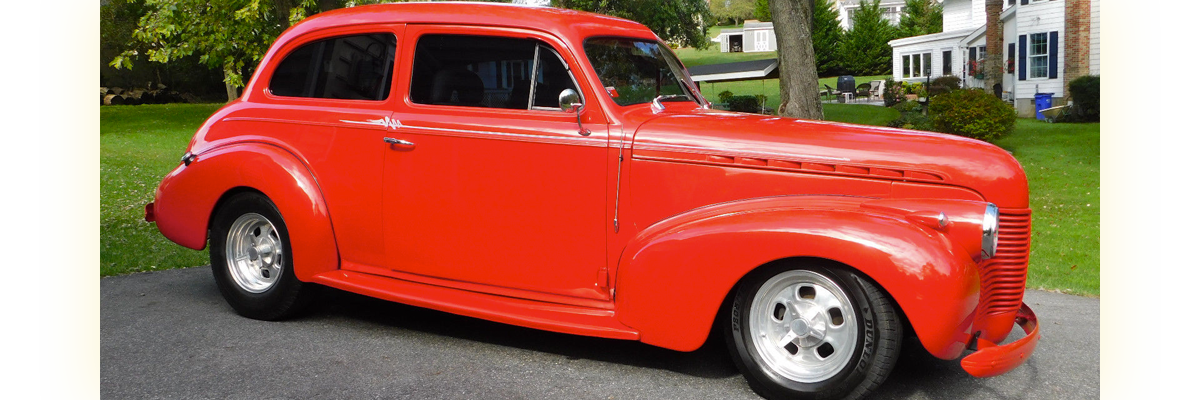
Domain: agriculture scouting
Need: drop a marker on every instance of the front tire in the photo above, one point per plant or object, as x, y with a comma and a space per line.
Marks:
251, 257
812, 331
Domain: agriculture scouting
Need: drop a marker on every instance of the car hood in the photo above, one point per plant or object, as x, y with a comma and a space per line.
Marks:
839, 148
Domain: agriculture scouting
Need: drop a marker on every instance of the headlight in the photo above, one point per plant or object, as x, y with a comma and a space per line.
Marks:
991, 231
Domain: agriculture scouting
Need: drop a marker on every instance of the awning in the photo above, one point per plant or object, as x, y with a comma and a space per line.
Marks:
738, 71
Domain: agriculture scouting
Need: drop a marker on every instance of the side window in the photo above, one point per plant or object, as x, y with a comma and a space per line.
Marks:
355, 67
490, 72
552, 79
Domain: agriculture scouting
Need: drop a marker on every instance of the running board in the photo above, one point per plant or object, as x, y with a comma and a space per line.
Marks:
532, 314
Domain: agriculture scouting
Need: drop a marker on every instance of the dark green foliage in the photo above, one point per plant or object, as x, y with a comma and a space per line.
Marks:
1085, 92
921, 17
762, 10
826, 38
744, 104
972, 113
680, 21
893, 92
912, 120
944, 84
865, 49
118, 20
724, 96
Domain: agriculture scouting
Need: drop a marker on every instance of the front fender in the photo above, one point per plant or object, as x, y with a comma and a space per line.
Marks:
187, 197
673, 277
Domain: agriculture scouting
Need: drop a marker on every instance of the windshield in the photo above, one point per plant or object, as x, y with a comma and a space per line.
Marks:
636, 71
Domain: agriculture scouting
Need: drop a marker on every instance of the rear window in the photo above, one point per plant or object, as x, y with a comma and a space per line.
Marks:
357, 67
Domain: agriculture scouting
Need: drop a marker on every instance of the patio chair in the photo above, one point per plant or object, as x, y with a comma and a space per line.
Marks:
831, 92
863, 90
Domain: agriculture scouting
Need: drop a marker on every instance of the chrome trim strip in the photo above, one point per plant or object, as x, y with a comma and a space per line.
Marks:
742, 153
991, 231
568, 140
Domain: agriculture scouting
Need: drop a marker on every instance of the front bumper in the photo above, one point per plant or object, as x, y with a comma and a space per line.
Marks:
993, 359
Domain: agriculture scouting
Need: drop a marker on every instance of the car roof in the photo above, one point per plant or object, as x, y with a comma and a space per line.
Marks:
570, 25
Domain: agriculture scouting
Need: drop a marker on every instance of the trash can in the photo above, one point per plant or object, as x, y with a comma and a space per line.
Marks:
1041, 101
845, 83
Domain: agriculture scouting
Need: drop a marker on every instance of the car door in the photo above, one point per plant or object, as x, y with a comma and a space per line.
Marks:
488, 184
317, 95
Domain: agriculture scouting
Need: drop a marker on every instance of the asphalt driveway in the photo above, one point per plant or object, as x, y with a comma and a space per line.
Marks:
170, 334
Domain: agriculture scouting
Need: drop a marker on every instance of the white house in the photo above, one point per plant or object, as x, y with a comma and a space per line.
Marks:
892, 9
1046, 44
753, 37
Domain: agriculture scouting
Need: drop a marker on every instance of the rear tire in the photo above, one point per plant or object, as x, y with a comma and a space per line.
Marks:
251, 257
812, 331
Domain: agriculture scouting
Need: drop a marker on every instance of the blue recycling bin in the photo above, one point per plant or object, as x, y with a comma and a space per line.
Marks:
1041, 101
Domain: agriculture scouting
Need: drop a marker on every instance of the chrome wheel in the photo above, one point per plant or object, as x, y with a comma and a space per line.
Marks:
254, 253
803, 326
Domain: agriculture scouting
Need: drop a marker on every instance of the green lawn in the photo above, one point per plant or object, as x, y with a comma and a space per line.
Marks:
1062, 163
140, 144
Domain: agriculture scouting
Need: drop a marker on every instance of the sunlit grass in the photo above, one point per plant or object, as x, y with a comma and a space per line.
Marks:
138, 146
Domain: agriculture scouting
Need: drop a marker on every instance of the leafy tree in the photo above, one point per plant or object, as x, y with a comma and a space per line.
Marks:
826, 38
762, 10
230, 35
735, 10
921, 17
865, 49
678, 21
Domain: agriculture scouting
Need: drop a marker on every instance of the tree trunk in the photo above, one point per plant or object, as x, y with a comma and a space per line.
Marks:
995, 45
798, 93
230, 90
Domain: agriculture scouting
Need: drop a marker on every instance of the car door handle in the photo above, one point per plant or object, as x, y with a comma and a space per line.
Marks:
399, 143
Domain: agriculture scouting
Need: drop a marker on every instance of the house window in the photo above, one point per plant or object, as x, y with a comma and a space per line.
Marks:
850, 19
917, 65
1039, 55
946, 59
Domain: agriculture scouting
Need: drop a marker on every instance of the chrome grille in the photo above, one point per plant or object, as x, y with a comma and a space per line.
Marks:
1002, 281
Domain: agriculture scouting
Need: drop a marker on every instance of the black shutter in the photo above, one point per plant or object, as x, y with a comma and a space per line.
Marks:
1012, 53
1021, 58
1024, 2
1054, 55
972, 56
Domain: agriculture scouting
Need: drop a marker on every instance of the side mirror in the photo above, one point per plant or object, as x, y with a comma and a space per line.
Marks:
568, 100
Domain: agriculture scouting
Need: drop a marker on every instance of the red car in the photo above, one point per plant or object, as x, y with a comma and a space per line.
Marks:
560, 170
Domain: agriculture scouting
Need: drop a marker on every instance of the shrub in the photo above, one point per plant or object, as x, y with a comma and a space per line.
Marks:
724, 96
744, 104
912, 120
1085, 92
911, 117
944, 84
972, 113
893, 92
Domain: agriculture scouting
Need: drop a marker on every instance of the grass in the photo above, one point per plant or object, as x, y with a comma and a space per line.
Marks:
1062, 163
138, 146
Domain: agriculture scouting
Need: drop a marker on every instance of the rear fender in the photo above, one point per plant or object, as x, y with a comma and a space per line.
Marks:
673, 277
187, 199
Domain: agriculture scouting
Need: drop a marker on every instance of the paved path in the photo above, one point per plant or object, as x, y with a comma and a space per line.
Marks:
170, 334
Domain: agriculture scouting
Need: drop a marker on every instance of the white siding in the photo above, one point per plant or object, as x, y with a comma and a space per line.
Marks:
1010, 36
978, 12
1095, 45
1034, 18
956, 15
936, 47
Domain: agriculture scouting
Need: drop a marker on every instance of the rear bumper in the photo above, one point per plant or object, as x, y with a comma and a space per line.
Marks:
993, 359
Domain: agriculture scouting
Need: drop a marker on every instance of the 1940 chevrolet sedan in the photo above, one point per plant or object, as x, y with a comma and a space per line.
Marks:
560, 170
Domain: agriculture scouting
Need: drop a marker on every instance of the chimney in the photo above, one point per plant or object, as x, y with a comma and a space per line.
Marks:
1077, 43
